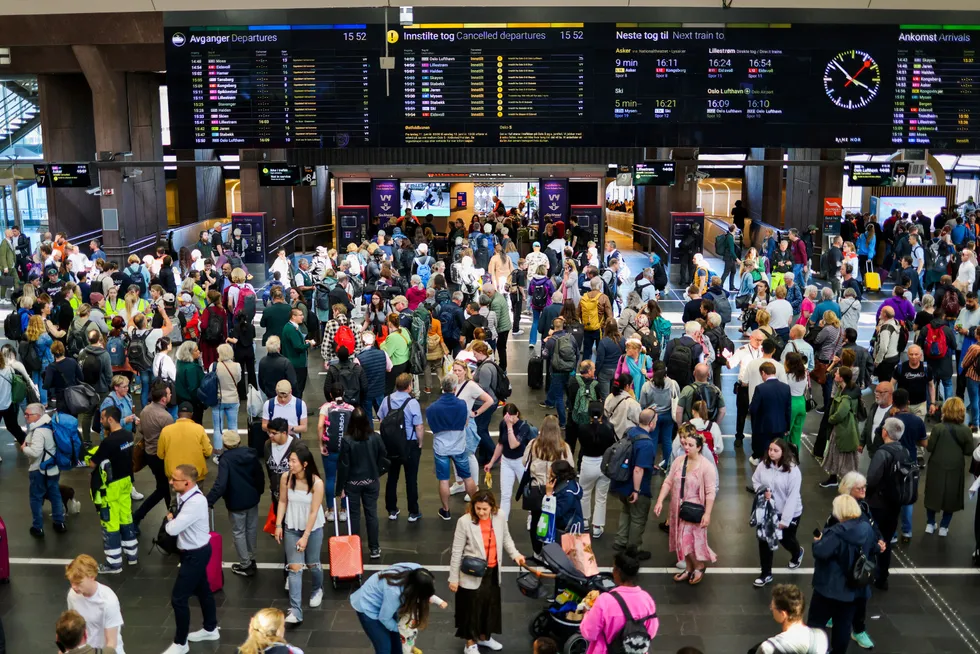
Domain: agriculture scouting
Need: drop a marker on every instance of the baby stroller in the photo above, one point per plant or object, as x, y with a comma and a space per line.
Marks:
571, 586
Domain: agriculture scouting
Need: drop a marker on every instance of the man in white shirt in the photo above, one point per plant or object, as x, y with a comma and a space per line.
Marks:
968, 271
871, 433
787, 609
740, 359
96, 603
753, 377
780, 313
190, 525
287, 406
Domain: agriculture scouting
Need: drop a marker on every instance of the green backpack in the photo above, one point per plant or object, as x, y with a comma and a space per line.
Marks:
586, 393
18, 388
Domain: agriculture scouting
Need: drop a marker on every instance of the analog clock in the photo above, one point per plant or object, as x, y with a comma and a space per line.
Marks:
852, 79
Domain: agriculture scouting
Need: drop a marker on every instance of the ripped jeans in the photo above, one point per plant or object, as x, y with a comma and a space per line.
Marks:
310, 557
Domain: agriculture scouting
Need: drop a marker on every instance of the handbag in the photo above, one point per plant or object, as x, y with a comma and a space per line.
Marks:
689, 511
473, 566
139, 455
808, 400
819, 373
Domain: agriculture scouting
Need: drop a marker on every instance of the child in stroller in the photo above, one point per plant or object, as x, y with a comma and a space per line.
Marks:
562, 617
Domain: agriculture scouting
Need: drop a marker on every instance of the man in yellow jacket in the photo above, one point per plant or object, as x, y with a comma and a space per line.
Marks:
184, 442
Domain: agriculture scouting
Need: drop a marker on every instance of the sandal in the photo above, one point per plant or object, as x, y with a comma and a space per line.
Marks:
683, 576
697, 576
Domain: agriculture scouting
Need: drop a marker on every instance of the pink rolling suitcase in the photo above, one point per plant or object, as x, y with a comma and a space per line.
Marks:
4, 554
216, 573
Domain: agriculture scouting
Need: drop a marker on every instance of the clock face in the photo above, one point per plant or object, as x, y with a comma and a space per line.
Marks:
852, 79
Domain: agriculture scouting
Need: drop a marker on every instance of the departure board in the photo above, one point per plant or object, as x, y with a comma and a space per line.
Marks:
273, 86
488, 86
577, 84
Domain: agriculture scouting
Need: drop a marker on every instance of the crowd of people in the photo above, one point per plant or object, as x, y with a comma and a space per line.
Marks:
415, 349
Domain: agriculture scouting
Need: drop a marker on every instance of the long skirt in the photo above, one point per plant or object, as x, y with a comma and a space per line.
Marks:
478, 611
837, 462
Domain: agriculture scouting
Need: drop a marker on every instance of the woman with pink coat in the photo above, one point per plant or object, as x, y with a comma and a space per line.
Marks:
603, 622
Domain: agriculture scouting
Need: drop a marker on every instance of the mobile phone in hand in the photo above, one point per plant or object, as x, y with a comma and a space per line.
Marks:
817, 533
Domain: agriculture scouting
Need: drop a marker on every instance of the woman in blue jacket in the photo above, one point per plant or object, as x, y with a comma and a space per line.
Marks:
564, 485
835, 552
404, 589
866, 248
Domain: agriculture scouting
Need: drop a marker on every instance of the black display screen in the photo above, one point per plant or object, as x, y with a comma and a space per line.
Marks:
604, 84
62, 175
286, 175
654, 174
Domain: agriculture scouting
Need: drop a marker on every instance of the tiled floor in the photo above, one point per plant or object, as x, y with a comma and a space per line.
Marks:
931, 606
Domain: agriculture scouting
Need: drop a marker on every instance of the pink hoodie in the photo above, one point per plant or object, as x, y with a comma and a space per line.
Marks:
605, 619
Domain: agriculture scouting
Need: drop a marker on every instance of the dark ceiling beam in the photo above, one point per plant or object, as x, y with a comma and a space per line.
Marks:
37, 60
82, 29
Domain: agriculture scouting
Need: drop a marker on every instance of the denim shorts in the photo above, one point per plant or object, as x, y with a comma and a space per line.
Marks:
462, 466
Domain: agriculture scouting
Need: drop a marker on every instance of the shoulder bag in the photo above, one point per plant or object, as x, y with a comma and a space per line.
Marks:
690, 511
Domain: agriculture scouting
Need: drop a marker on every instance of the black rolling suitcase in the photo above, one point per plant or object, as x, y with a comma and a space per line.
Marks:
535, 373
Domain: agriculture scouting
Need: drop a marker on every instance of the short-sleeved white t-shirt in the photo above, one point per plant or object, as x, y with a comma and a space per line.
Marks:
101, 612
287, 411
470, 394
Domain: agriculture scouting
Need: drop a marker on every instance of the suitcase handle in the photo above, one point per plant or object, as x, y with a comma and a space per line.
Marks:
336, 517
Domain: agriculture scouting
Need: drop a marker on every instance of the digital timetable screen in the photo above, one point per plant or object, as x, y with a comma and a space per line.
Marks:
584, 84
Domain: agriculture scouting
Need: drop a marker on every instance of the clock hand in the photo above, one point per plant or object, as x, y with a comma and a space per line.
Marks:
852, 79
848, 76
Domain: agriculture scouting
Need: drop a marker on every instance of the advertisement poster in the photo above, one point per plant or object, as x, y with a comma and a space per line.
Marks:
385, 199
460, 199
352, 226
680, 225
253, 231
591, 218
554, 201
833, 209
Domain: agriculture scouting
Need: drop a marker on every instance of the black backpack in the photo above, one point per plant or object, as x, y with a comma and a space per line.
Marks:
679, 366
502, 388
11, 326
863, 571
131, 278
349, 378
904, 476
710, 396
91, 369
77, 340
660, 276
139, 355
539, 296
212, 334
633, 638
393, 430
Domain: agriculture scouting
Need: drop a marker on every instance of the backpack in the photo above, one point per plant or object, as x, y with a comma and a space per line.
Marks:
633, 638
481, 257
590, 312
134, 278
454, 276
564, 355
611, 286
721, 245
349, 378
709, 439
502, 388
904, 487
213, 332
91, 370
393, 430
424, 269
617, 460
18, 388
345, 338
116, 347
77, 340
80, 398
936, 346
12, 326
710, 396
246, 302
863, 572
585, 395
539, 294
299, 409
29, 356
139, 355
679, 366
337, 419
951, 305
209, 392
67, 443
660, 276
777, 342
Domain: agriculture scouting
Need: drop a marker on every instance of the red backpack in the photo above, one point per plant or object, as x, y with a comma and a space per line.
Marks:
709, 440
935, 343
344, 338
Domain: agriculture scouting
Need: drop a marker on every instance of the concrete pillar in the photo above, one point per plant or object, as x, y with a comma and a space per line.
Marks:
808, 186
65, 103
762, 193
126, 116
654, 203
275, 201
200, 190
311, 208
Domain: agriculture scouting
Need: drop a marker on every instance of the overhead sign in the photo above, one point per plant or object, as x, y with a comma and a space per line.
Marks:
878, 173
654, 174
286, 175
62, 175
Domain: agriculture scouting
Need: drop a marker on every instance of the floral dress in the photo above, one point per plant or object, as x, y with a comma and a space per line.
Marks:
686, 537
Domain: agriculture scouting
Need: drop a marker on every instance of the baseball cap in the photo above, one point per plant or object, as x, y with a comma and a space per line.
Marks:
536, 244
185, 407
184, 297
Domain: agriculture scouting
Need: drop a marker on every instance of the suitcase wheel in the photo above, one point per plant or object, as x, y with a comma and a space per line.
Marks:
333, 580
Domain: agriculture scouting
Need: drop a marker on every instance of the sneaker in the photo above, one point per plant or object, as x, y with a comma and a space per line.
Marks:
466, 498
316, 599
457, 488
414, 517
930, 528
291, 618
664, 526
863, 640
244, 570
643, 555
943, 531
60, 528
445, 514
753, 461
894, 539
530, 346
202, 635
328, 514
829, 483
376, 553
177, 649
797, 562
597, 532
471, 649
821, 410
136, 495
490, 644
105, 569
393, 515
342, 515
762, 581
545, 405
585, 525
215, 459
517, 333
